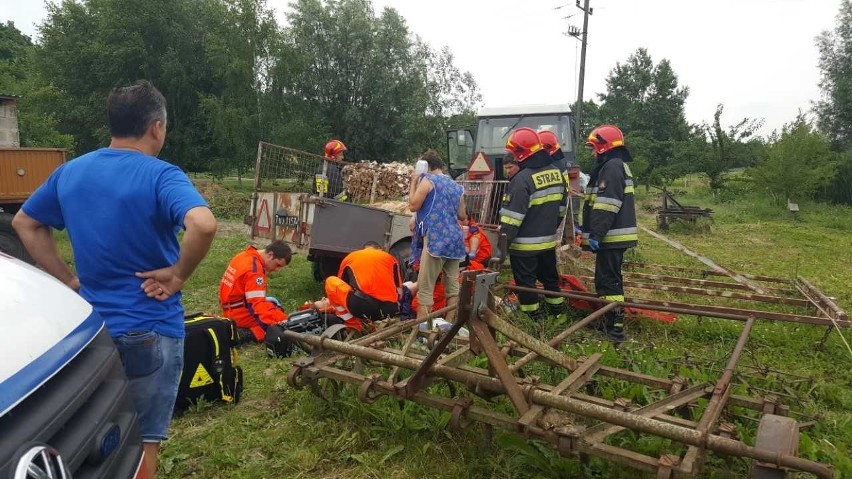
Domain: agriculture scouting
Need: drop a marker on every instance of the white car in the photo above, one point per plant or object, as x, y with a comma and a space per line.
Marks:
65, 409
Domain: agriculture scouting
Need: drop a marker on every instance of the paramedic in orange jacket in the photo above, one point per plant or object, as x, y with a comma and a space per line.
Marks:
477, 246
242, 292
367, 286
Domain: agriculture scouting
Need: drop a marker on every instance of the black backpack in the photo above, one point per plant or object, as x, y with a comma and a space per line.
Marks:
210, 367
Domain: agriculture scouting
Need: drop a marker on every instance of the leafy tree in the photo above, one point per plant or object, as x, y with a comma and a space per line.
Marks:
835, 50
36, 124
385, 93
240, 49
646, 102
728, 148
797, 165
91, 47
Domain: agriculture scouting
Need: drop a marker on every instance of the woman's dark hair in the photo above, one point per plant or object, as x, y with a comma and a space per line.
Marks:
433, 159
133, 108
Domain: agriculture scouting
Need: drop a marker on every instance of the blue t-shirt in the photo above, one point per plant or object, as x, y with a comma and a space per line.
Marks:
123, 211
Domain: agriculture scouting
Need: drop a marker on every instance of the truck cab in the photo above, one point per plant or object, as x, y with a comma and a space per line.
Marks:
486, 141
65, 406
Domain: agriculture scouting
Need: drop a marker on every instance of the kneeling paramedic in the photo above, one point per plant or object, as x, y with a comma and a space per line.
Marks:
367, 286
532, 212
242, 291
609, 219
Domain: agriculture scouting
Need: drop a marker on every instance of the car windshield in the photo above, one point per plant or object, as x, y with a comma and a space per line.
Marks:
492, 133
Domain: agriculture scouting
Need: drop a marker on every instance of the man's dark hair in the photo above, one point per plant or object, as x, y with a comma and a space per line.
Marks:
280, 250
372, 244
509, 159
132, 109
433, 159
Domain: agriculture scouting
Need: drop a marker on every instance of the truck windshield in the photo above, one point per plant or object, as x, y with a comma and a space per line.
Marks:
491, 133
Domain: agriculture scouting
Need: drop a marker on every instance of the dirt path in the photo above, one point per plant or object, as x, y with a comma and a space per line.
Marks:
232, 229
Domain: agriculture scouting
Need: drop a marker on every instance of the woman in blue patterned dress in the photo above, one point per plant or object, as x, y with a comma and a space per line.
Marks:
438, 203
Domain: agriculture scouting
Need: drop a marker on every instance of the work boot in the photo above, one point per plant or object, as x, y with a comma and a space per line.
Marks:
558, 311
538, 315
615, 325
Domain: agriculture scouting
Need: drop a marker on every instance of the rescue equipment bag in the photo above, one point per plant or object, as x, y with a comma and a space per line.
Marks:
309, 321
210, 368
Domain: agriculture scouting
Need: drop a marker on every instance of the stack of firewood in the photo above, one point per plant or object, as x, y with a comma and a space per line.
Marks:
372, 181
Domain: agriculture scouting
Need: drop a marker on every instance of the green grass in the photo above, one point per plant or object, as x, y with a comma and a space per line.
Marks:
280, 432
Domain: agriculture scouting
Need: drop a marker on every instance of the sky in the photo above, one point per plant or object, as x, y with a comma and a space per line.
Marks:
757, 57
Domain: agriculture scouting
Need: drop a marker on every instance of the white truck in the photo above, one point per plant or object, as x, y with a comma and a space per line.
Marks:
65, 408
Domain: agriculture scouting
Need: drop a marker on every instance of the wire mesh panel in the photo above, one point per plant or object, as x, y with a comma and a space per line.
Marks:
483, 200
286, 169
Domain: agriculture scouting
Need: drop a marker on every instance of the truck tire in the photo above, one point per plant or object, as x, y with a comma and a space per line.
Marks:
9, 241
401, 251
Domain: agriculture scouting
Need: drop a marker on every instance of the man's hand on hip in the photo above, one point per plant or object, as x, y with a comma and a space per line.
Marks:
161, 283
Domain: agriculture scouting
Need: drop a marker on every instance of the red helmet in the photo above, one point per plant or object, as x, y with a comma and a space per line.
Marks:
333, 147
605, 138
522, 143
549, 141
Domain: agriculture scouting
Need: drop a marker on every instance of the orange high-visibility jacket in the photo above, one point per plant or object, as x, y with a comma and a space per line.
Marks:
373, 272
483, 253
242, 294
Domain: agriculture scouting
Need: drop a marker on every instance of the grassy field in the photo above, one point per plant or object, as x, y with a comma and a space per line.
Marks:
280, 432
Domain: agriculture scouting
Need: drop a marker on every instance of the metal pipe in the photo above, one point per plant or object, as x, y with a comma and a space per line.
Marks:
537, 346
558, 339
684, 308
680, 434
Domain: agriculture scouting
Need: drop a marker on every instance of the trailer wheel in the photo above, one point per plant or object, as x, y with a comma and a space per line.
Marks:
401, 251
9, 241
777, 434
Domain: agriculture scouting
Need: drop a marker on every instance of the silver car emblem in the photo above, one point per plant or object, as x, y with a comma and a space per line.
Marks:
41, 462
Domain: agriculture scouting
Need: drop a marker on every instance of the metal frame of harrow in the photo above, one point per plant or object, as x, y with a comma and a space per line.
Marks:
777, 436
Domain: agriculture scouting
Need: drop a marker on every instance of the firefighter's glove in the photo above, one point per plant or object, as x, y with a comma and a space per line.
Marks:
594, 244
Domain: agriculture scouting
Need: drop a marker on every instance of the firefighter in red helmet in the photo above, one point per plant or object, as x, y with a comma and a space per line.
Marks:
609, 219
329, 178
532, 212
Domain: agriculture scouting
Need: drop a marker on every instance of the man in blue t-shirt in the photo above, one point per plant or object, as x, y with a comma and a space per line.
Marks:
123, 208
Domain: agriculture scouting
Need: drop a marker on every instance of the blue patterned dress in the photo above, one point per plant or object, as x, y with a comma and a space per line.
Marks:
437, 220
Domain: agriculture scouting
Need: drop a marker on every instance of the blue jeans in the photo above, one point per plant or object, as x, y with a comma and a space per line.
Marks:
153, 364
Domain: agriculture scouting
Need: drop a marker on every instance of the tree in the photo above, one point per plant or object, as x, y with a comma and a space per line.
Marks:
89, 48
37, 126
646, 102
834, 111
386, 94
239, 50
728, 148
797, 165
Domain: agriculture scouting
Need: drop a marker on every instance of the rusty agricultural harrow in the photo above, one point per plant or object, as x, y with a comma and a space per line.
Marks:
570, 414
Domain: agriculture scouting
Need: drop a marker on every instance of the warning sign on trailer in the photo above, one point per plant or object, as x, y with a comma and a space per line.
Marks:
479, 166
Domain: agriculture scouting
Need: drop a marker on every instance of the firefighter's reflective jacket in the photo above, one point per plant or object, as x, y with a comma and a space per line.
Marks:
609, 212
330, 184
534, 206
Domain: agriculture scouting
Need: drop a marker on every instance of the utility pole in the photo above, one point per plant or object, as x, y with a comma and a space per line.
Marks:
574, 32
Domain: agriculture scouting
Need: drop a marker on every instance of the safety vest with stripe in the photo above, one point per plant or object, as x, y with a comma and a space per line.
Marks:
609, 212
242, 294
534, 207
